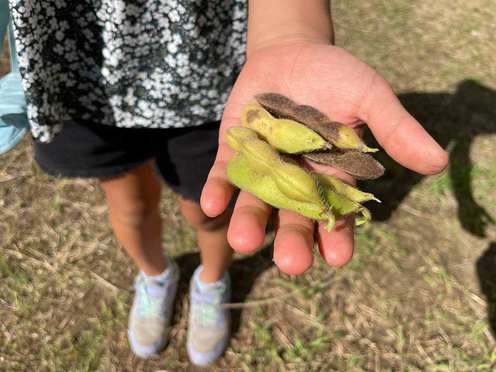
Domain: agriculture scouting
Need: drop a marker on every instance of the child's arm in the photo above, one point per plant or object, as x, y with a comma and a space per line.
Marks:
290, 52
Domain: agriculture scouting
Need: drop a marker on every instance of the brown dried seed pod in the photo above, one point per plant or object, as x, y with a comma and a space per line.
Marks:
318, 122
358, 164
277, 104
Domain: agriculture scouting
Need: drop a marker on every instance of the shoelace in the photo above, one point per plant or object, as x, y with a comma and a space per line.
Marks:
207, 305
147, 304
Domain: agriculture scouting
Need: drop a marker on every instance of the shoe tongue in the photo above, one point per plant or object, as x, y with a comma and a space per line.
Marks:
155, 288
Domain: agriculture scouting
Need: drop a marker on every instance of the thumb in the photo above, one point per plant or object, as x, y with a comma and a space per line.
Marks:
401, 136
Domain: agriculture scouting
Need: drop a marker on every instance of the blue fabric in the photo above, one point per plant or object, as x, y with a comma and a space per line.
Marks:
13, 119
4, 19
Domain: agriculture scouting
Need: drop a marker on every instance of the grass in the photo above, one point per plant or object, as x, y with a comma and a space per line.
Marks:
418, 295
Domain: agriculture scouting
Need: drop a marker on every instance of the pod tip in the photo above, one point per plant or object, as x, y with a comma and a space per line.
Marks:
368, 149
331, 221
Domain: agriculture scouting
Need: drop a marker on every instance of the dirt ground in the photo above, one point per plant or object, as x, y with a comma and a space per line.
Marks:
419, 294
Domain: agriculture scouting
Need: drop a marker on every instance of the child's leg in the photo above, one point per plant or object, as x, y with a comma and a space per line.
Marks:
209, 324
215, 251
133, 202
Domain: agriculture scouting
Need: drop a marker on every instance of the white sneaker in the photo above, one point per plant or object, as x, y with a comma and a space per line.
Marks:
209, 323
149, 320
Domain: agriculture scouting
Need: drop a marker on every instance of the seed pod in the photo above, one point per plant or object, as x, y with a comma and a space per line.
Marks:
296, 183
259, 153
348, 139
263, 185
364, 216
278, 105
285, 135
342, 206
352, 193
336, 133
292, 180
236, 135
278, 179
358, 164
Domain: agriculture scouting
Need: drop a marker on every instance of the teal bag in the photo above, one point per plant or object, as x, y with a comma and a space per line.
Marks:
13, 119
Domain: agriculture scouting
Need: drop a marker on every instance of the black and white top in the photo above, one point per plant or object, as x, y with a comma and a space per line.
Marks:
127, 63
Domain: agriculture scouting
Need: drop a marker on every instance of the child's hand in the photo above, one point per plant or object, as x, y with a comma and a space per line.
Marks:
347, 90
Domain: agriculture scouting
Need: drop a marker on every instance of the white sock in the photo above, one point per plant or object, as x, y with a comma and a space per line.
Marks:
160, 278
204, 287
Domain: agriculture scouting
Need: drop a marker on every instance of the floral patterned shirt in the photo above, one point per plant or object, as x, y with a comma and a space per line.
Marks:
127, 63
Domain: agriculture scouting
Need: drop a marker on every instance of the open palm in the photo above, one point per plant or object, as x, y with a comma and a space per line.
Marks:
345, 89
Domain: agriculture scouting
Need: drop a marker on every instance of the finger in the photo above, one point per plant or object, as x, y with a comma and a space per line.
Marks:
217, 191
336, 246
398, 132
293, 244
246, 231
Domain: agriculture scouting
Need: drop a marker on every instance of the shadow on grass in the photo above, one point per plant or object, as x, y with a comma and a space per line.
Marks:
486, 269
454, 120
244, 273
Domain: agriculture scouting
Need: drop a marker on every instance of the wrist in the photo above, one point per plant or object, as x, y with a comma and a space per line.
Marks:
285, 39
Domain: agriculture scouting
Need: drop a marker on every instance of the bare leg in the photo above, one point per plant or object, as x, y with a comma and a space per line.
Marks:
215, 251
133, 202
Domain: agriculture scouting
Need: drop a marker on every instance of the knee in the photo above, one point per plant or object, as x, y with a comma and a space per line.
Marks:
132, 197
133, 212
195, 217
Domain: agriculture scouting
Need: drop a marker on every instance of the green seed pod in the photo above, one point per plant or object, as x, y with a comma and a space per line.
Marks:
291, 179
344, 189
263, 185
260, 154
363, 217
236, 135
348, 139
338, 134
296, 183
285, 135
342, 206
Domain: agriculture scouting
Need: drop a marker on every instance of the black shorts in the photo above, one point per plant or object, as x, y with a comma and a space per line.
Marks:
183, 156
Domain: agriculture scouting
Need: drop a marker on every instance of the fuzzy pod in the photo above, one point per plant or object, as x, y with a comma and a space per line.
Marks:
296, 182
358, 164
285, 135
264, 186
259, 153
344, 189
292, 180
342, 206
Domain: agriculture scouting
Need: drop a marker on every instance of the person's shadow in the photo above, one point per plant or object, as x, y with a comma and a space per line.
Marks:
454, 120
486, 266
